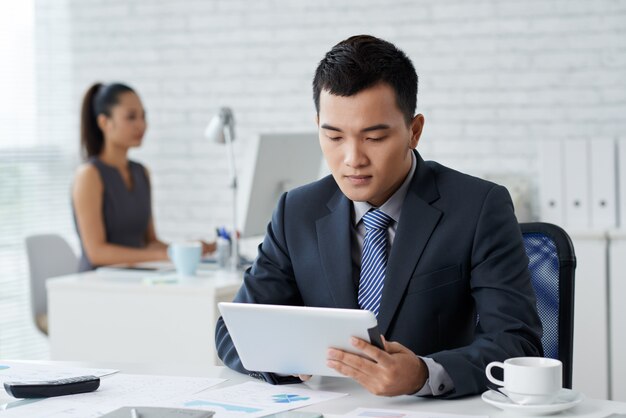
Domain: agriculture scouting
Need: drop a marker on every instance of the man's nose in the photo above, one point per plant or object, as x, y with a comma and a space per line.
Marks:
354, 154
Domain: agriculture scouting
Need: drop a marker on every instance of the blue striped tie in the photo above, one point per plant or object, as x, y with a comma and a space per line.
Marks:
373, 260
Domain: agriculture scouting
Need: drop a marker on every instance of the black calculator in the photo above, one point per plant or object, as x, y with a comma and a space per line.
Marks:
50, 388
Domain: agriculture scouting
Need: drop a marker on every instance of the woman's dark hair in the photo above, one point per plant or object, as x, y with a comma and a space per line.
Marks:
99, 100
362, 61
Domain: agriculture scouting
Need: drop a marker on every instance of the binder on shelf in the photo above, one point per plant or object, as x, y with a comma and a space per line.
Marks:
621, 182
576, 175
551, 181
603, 183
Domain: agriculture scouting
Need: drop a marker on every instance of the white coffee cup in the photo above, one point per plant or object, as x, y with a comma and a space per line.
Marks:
529, 380
186, 257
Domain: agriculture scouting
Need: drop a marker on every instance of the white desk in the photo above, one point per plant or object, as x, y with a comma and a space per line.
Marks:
98, 316
617, 312
588, 408
591, 330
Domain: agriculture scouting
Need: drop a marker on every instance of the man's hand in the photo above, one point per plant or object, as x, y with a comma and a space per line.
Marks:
394, 371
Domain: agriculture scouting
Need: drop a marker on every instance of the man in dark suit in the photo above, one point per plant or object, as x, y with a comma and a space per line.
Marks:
436, 254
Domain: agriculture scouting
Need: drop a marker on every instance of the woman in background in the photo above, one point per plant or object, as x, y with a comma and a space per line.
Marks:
111, 194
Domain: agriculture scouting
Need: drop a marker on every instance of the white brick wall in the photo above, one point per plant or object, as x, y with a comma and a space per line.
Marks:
495, 78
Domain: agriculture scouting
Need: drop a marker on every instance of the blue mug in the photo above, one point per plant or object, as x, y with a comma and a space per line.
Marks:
185, 256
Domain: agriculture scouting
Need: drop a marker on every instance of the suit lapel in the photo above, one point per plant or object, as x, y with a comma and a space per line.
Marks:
334, 243
417, 222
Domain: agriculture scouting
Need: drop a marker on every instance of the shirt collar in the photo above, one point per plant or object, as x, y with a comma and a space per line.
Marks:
393, 206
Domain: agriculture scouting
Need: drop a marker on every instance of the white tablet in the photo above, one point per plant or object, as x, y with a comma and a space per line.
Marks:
294, 339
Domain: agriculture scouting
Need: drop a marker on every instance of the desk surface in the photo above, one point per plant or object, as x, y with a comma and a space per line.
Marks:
588, 408
206, 278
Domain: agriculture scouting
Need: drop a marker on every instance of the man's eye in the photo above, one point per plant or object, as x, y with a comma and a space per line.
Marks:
379, 138
334, 138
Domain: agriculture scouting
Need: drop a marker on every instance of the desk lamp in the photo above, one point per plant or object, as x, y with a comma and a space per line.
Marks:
221, 130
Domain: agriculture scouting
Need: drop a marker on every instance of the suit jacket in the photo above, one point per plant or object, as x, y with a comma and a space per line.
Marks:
457, 287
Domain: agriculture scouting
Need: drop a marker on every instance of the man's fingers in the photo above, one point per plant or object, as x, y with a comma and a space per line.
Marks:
350, 364
353, 360
384, 340
372, 383
375, 353
395, 371
361, 378
394, 348
348, 369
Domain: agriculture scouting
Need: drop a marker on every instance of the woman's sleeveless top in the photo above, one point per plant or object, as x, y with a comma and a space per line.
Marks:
126, 213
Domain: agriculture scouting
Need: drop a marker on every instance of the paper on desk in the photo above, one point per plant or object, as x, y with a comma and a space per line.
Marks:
398, 413
252, 399
21, 371
154, 267
114, 392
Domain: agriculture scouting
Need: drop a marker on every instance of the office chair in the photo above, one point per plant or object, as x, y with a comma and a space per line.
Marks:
552, 263
49, 256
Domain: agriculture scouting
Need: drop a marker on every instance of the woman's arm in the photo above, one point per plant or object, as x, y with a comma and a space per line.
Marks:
87, 195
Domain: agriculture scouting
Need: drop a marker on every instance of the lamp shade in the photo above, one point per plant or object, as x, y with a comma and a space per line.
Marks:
218, 124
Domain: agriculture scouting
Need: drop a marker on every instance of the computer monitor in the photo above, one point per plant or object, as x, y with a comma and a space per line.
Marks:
281, 162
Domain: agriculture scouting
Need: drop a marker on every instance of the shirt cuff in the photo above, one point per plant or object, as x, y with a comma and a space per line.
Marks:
438, 382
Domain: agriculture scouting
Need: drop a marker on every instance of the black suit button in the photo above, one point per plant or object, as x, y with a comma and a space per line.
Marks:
441, 387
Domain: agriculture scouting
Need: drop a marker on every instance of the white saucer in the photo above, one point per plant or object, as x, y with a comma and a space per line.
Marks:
566, 399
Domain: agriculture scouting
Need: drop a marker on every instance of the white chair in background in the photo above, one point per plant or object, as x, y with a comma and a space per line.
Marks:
49, 255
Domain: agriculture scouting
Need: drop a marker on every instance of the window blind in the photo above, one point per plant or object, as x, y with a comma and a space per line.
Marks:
35, 177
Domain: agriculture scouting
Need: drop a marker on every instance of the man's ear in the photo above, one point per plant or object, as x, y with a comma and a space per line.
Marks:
317, 119
417, 126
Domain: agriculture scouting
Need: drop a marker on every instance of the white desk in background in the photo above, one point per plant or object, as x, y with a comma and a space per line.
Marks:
358, 397
117, 316
591, 331
617, 313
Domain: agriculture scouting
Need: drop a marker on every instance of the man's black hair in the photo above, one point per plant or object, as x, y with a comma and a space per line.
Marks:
362, 61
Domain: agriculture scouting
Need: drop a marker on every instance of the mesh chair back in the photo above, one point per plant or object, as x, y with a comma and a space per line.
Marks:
552, 263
